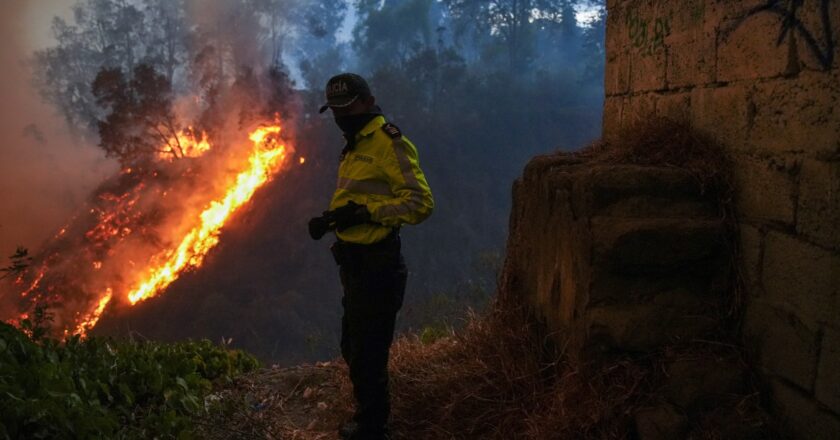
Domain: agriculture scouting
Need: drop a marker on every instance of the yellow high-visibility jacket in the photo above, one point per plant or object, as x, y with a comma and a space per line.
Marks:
383, 172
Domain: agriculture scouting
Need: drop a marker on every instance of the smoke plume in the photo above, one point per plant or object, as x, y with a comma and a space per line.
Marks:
45, 173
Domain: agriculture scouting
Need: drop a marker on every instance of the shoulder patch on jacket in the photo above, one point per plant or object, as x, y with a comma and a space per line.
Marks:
391, 130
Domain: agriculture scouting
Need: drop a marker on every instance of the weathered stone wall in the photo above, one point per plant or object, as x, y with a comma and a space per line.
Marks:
617, 257
763, 76
622, 260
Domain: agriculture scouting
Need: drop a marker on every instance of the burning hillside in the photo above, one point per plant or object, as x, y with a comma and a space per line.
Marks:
144, 227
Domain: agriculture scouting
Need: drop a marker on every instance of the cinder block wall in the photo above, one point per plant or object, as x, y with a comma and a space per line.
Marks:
763, 76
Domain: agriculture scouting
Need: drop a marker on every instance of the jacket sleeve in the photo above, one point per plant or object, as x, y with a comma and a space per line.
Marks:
413, 200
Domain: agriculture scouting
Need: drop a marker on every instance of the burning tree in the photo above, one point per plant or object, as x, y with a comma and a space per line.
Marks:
140, 122
164, 211
140, 231
185, 101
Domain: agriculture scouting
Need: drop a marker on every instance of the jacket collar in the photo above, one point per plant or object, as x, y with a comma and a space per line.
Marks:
371, 126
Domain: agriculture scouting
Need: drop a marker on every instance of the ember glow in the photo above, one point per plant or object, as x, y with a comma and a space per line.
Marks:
146, 227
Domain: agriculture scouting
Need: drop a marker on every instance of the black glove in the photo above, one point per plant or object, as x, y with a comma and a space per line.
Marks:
318, 226
351, 214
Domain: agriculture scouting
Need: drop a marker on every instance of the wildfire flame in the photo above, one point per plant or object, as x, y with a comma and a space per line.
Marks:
268, 155
187, 143
119, 217
89, 320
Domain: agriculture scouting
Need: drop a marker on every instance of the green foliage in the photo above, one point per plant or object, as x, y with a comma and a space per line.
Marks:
101, 388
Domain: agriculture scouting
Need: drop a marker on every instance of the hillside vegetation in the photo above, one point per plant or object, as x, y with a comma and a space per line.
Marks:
105, 388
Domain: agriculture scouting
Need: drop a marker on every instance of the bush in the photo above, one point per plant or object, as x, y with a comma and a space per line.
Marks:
102, 388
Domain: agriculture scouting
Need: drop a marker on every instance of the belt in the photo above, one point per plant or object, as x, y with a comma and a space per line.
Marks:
392, 238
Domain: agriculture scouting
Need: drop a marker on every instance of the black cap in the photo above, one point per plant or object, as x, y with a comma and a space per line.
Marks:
343, 89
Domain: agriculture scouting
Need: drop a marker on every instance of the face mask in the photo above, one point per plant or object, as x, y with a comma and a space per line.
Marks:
351, 124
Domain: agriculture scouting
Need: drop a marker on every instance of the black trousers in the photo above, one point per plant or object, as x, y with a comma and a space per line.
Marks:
373, 277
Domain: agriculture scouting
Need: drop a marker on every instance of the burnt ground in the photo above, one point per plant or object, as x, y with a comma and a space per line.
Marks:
305, 402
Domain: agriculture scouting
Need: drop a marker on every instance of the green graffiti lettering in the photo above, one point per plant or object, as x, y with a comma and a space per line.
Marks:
644, 41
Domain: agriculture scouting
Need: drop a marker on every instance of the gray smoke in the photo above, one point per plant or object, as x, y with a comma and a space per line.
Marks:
45, 174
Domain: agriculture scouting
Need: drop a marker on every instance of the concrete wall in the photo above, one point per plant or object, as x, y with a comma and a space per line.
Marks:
763, 77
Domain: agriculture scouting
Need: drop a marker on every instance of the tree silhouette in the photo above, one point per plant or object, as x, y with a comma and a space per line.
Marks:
140, 121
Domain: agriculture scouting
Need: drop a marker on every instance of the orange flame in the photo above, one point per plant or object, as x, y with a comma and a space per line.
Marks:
118, 217
268, 155
187, 143
34, 284
89, 321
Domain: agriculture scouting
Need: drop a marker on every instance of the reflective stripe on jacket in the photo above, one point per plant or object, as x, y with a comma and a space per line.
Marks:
382, 172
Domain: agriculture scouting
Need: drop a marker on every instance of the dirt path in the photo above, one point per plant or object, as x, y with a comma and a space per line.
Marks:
305, 402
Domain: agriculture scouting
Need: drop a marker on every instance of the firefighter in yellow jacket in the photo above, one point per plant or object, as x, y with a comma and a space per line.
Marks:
380, 187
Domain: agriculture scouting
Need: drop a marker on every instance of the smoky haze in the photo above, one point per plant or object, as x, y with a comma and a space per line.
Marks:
479, 90
45, 173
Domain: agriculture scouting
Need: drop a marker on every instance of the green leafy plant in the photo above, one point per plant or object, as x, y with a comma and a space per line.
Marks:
103, 388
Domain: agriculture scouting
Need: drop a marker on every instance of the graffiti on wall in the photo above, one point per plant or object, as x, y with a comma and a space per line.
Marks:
647, 36
789, 13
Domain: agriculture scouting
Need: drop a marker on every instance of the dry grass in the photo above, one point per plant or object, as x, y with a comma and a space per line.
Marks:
499, 379
667, 142
496, 379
